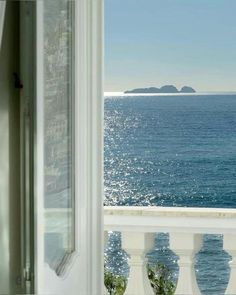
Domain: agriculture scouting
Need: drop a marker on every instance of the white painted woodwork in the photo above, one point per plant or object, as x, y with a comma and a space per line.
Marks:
230, 247
137, 244
84, 271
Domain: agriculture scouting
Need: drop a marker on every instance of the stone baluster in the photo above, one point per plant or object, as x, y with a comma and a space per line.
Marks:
137, 244
186, 245
230, 247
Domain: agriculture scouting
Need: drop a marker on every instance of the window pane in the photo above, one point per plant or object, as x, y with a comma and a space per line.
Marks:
58, 131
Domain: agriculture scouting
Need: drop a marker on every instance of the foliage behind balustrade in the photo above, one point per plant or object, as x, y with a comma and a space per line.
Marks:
159, 276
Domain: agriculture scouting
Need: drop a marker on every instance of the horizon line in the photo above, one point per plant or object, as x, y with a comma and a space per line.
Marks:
120, 93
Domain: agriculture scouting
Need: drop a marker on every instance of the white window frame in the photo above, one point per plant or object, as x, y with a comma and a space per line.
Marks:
88, 158
90, 127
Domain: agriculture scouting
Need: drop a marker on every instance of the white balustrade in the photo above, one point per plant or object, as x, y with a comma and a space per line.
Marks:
137, 244
185, 226
186, 245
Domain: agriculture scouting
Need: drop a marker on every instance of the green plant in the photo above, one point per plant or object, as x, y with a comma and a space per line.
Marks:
160, 279
115, 284
159, 276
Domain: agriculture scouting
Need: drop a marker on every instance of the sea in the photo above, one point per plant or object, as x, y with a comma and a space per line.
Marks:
172, 150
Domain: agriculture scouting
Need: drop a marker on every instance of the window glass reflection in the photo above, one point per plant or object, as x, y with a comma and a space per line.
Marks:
58, 131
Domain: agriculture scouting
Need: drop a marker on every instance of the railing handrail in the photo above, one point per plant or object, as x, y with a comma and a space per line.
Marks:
170, 219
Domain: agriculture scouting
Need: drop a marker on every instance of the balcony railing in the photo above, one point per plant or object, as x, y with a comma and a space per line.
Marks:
186, 227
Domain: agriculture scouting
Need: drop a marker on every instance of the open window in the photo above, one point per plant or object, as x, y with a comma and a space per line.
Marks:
51, 107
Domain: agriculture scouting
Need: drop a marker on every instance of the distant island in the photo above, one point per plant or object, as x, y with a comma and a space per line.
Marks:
163, 89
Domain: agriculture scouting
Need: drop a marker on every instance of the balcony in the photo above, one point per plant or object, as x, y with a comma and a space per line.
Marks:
186, 228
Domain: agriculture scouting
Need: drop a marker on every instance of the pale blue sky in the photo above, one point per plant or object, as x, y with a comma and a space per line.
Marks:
180, 42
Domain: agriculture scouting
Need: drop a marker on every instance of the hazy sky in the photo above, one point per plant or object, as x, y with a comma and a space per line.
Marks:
180, 42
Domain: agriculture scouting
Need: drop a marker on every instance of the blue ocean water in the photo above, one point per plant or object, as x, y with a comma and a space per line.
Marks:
174, 151
171, 151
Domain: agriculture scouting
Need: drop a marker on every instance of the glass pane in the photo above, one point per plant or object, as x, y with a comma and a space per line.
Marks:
58, 131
